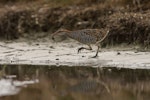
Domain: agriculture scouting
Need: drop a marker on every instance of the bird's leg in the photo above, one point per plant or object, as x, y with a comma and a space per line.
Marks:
90, 48
97, 51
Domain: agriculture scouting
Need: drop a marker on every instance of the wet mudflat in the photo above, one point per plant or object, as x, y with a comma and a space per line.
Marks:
73, 83
65, 53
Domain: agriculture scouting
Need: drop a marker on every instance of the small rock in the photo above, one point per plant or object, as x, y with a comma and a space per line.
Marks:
37, 44
51, 47
57, 59
118, 53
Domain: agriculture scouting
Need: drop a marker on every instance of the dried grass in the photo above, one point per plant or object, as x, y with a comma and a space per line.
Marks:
126, 22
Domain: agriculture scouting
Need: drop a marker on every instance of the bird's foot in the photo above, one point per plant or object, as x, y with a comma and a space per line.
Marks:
95, 56
79, 50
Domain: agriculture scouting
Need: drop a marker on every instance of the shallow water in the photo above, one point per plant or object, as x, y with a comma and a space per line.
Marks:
73, 83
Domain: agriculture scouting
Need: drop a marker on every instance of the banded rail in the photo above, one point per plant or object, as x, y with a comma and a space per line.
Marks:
85, 36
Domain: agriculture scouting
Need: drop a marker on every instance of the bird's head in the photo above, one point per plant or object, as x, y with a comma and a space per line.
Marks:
60, 32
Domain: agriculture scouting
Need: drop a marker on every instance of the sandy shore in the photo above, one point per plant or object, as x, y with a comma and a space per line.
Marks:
48, 53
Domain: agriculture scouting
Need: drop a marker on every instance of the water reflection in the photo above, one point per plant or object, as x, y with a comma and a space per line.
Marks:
75, 83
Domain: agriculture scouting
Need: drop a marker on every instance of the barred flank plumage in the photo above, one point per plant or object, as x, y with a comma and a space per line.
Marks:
85, 36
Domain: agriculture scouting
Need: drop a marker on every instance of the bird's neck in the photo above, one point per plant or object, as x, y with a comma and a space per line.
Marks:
64, 32
68, 33
73, 35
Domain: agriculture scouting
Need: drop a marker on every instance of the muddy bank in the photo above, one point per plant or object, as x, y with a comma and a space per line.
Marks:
49, 53
82, 83
126, 25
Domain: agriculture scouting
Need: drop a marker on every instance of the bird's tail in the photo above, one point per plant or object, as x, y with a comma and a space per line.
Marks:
103, 37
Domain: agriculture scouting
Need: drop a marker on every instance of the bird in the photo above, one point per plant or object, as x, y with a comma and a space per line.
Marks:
84, 36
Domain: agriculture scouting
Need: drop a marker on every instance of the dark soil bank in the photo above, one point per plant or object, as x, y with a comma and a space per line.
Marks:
126, 23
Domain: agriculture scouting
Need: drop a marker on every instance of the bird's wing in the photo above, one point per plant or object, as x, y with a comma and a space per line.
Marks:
85, 36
